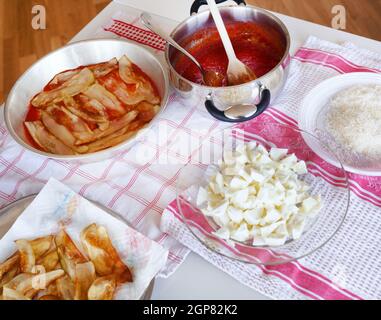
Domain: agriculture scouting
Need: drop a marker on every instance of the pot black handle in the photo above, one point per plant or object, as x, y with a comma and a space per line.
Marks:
220, 115
198, 3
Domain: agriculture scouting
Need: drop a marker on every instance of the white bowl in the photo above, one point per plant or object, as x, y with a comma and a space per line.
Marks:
69, 57
311, 117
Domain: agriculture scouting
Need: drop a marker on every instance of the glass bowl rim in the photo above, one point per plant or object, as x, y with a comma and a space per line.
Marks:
179, 198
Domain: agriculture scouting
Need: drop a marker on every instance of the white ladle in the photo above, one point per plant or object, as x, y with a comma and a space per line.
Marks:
237, 72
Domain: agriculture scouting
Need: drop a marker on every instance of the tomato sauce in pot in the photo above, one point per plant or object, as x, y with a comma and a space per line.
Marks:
260, 47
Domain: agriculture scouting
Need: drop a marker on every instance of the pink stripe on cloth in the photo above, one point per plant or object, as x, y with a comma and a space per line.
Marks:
302, 279
132, 32
330, 60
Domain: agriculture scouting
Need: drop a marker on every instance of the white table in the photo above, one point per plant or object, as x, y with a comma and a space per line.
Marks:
197, 279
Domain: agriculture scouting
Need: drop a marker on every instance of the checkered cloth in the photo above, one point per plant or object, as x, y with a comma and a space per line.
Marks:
137, 184
349, 266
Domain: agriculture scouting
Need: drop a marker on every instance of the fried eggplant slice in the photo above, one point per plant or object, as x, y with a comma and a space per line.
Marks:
125, 92
72, 87
104, 68
147, 111
74, 124
49, 297
7, 277
62, 77
51, 289
68, 253
116, 125
144, 89
84, 277
30, 294
65, 288
106, 98
39, 281
110, 140
99, 248
42, 245
16, 281
11, 294
61, 131
90, 110
103, 288
46, 140
27, 257
49, 261
9, 264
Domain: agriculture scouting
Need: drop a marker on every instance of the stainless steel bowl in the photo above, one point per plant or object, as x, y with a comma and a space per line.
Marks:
10, 213
255, 95
69, 57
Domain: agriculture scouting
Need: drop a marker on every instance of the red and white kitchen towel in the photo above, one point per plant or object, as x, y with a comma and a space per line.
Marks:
141, 182
349, 266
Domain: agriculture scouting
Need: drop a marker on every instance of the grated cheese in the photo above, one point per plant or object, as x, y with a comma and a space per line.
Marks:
354, 120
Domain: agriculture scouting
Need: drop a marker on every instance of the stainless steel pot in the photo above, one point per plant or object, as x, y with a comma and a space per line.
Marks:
229, 103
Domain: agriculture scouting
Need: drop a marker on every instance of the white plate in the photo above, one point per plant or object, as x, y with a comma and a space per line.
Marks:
310, 115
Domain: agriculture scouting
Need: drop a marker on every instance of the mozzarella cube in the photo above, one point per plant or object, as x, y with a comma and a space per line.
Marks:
277, 154
309, 204
222, 233
238, 183
254, 216
202, 197
241, 233
259, 241
258, 195
240, 197
296, 227
240, 148
275, 241
264, 159
261, 149
229, 157
252, 191
256, 176
268, 172
291, 197
242, 158
289, 161
231, 170
251, 145
300, 167
220, 210
272, 215
235, 214
219, 179
244, 174
222, 220
267, 230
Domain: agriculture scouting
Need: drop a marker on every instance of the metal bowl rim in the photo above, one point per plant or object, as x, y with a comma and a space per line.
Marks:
147, 294
88, 156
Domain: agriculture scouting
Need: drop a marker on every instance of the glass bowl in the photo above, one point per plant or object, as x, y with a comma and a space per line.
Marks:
331, 186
